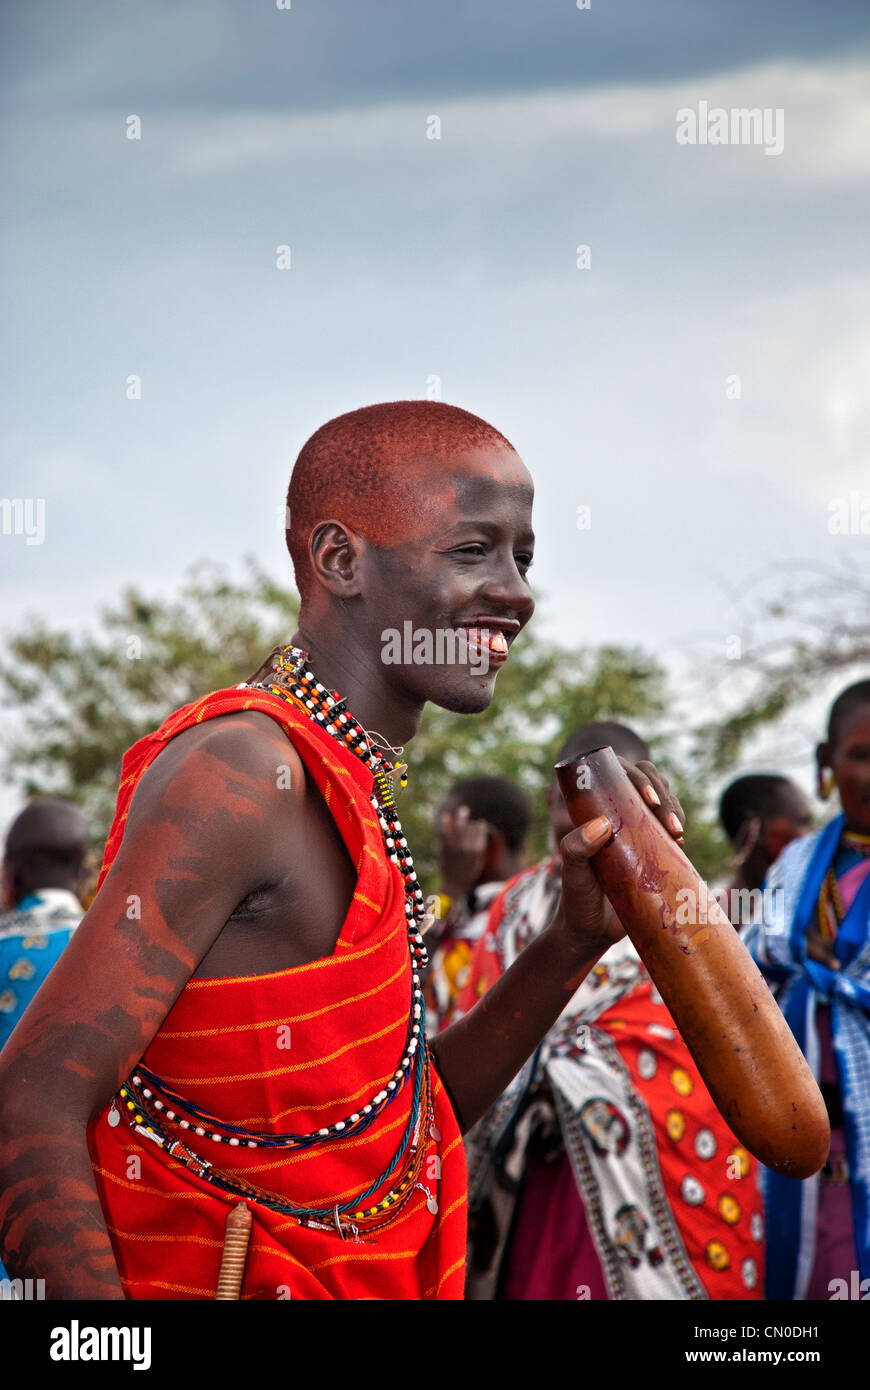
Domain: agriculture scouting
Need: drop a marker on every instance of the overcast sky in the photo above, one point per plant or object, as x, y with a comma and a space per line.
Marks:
456, 258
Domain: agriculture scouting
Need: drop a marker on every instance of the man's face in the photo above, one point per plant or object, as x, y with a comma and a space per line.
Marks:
557, 814
849, 757
460, 574
444, 812
793, 819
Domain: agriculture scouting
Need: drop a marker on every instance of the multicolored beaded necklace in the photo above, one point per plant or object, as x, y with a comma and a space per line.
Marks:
830, 905
292, 680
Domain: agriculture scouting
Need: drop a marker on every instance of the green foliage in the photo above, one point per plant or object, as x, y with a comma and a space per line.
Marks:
705, 844
83, 701
542, 694
719, 744
800, 624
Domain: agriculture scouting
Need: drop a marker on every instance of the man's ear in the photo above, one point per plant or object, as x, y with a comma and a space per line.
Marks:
823, 761
11, 882
7, 901
495, 848
751, 832
771, 834
335, 552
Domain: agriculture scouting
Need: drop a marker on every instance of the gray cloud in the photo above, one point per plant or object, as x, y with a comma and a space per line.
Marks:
200, 54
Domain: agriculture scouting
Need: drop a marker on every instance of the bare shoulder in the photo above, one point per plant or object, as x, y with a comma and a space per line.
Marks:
225, 764
214, 818
225, 797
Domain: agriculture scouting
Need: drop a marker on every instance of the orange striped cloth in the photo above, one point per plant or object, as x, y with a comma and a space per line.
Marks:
224, 1046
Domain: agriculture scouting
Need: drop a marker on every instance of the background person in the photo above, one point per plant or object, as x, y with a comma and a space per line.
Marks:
760, 813
42, 875
482, 827
604, 1171
818, 962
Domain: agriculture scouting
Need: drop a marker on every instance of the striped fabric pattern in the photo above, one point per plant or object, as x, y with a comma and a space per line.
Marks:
224, 1045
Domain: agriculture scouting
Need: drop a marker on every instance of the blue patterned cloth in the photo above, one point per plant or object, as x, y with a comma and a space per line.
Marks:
778, 944
32, 937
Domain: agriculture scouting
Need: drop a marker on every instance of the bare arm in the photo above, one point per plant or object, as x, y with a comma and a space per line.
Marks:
200, 835
480, 1054
506, 1025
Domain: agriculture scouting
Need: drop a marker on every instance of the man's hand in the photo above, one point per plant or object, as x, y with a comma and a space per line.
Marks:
461, 851
584, 912
480, 1053
821, 950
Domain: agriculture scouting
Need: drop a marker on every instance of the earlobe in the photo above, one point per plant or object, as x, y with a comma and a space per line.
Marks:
825, 783
335, 553
824, 775
495, 848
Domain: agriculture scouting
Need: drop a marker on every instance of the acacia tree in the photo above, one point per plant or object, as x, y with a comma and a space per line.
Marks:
797, 625
81, 701
542, 694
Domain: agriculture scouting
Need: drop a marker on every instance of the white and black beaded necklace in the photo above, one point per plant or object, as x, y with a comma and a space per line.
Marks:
294, 677
293, 680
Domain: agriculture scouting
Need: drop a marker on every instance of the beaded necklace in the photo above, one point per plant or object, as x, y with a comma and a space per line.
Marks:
830, 905
293, 681
386, 1210
855, 840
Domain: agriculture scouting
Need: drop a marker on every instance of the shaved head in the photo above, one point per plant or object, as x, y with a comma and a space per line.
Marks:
765, 795
597, 734
45, 847
47, 824
850, 701
373, 469
624, 741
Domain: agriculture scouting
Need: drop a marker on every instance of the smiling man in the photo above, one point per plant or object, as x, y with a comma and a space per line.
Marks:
239, 1017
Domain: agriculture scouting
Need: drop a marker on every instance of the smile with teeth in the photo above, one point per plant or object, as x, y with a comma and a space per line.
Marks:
486, 640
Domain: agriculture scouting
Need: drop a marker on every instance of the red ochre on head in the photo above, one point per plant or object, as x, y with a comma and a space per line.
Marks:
374, 468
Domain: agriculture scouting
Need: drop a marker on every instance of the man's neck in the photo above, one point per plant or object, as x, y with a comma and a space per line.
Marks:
361, 680
507, 867
855, 827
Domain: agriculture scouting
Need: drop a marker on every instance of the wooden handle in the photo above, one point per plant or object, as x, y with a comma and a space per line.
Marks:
742, 1046
235, 1253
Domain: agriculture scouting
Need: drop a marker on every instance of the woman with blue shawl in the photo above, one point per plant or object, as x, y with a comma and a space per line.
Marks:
813, 945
